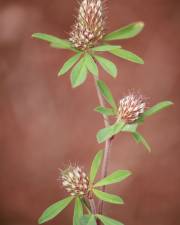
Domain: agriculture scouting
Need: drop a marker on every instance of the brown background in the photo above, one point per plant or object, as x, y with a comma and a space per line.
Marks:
44, 124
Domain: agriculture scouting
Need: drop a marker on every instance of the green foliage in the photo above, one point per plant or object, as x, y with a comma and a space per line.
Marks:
88, 220
115, 177
118, 126
91, 65
109, 132
127, 55
108, 221
157, 108
78, 212
107, 65
126, 32
104, 134
96, 165
54, 210
140, 139
105, 111
79, 73
105, 48
107, 93
86, 205
58, 46
106, 197
130, 128
64, 44
68, 64
81, 63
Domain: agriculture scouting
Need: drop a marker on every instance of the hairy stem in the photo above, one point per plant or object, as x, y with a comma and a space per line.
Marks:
107, 148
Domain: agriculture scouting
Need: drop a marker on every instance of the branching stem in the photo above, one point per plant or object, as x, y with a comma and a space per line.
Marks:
107, 148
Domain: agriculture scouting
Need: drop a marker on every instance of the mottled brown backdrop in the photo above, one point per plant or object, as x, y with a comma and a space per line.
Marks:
44, 124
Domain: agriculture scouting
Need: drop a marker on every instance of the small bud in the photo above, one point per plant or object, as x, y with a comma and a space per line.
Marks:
89, 27
75, 181
131, 107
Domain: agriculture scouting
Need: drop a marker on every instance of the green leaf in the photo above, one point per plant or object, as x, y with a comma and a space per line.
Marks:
64, 44
96, 165
126, 32
68, 64
108, 221
140, 139
140, 120
108, 132
130, 128
91, 65
157, 108
104, 134
88, 220
106, 197
54, 210
105, 111
107, 93
78, 212
79, 73
59, 46
115, 177
107, 65
104, 48
117, 127
86, 205
127, 55
85, 219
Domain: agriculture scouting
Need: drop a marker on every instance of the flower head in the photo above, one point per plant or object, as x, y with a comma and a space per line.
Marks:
75, 181
89, 27
130, 107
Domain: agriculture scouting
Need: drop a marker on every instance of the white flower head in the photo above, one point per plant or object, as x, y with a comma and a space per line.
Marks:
75, 181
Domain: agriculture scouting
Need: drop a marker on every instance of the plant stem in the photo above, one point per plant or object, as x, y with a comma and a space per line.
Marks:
104, 169
93, 206
107, 148
101, 101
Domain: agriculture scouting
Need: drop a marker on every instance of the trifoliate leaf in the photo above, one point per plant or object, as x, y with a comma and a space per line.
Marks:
68, 64
157, 108
107, 65
126, 32
140, 139
108, 221
107, 94
96, 165
54, 210
115, 177
105, 48
78, 212
64, 44
127, 55
79, 73
91, 65
106, 197
105, 111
